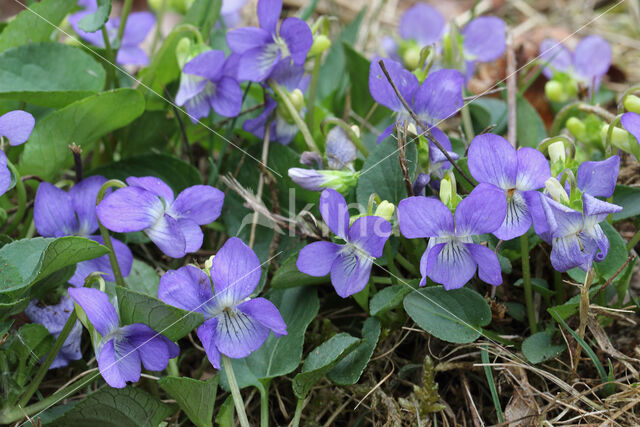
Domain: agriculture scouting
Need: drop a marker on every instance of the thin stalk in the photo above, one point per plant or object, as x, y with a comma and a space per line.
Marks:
111, 55
395, 273
634, 241
235, 391
313, 90
105, 233
295, 115
584, 312
126, 9
264, 404
406, 264
484, 354
298, 414
13, 414
158, 33
526, 277
22, 200
172, 368
264, 159
466, 122
42, 371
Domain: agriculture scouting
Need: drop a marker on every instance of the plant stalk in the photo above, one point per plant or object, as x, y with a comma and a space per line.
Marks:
299, 407
295, 115
111, 54
235, 391
313, 90
526, 277
105, 233
22, 200
584, 312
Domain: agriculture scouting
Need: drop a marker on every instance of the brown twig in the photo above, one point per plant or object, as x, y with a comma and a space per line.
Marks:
419, 122
512, 90
76, 150
402, 156
612, 278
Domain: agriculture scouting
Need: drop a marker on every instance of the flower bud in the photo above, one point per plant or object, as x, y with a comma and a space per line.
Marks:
557, 152
297, 99
576, 127
183, 51
555, 91
208, 264
320, 44
632, 103
318, 180
556, 190
385, 210
445, 192
411, 57
181, 6
619, 137
411, 128
356, 130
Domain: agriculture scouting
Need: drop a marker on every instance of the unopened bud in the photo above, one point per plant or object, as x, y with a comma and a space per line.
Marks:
297, 99
632, 103
411, 128
576, 127
555, 91
557, 152
208, 264
620, 138
556, 190
181, 6
385, 210
320, 44
183, 51
411, 58
445, 191
356, 130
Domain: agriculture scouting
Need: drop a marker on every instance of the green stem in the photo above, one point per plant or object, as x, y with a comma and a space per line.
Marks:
295, 115
381, 280
352, 135
126, 9
634, 241
13, 414
526, 277
111, 55
395, 273
313, 90
298, 414
466, 122
407, 264
42, 371
105, 233
584, 312
557, 280
22, 199
235, 391
158, 33
264, 403
172, 368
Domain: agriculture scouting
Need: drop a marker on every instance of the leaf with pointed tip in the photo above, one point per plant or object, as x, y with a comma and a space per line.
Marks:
196, 398
94, 21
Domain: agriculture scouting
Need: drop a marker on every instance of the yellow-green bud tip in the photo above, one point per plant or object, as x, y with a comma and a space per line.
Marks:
385, 210
556, 190
320, 44
557, 152
632, 103
555, 91
297, 99
411, 58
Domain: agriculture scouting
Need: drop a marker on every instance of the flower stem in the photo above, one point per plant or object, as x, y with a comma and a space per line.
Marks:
105, 233
12, 414
407, 264
313, 89
42, 371
126, 9
295, 115
235, 391
264, 403
111, 55
584, 312
22, 200
634, 241
466, 123
526, 277
299, 407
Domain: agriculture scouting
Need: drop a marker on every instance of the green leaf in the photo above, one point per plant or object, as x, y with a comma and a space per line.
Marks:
486, 112
531, 129
26, 348
112, 407
26, 261
37, 24
204, 15
82, 122
454, 316
164, 67
349, 369
196, 398
321, 360
94, 21
629, 199
167, 320
387, 299
149, 133
381, 174
224, 417
358, 70
49, 74
176, 173
617, 252
279, 356
143, 279
539, 348
288, 275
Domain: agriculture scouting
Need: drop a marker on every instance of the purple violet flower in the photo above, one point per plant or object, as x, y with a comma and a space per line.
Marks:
121, 349
54, 317
263, 48
438, 163
230, 12
452, 257
484, 39
493, 160
16, 126
148, 205
437, 98
576, 237
235, 325
630, 121
588, 64
350, 263
138, 26
206, 83
58, 213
